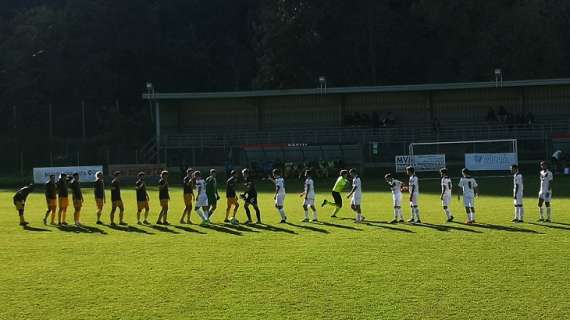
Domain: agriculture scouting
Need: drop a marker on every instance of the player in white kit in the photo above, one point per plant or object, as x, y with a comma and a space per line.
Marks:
356, 194
545, 193
309, 197
396, 188
201, 206
468, 185
446, 190
414, 189
279, 196
518, 189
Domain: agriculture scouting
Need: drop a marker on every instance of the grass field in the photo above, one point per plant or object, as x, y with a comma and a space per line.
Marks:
332, 270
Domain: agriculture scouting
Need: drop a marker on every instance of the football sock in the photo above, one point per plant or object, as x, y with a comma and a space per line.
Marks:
282, 213
307, 214
396, 214
257, 214
315, 216
247, 213
541, 213
521, 213
548, 212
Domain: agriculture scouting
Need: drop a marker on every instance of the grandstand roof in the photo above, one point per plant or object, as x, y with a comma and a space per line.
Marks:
352, 90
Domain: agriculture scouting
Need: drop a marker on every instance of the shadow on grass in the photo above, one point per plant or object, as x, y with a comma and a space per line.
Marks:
81, 229
307, 227
560, 223
268, 227
387, 226
163, 229
340, 226
32, 229
222, 229
187, 229
137, 230
551, 226
500, 228
447, 228
241, 228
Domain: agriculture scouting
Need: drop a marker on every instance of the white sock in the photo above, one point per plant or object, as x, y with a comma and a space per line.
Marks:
396, 214
548, 212
447, 213
358, 217
307, 214
516, 213
400, 214
472, 216
418, 214
282, 214
541, 213
413, 218
521, 213
315, 216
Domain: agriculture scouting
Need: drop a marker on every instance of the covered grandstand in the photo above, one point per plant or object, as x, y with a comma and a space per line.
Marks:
354, 124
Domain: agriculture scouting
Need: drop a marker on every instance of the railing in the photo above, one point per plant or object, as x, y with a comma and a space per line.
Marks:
351, 135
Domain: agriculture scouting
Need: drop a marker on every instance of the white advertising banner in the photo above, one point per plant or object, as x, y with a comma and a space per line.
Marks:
86, 173
490, 161
422, 163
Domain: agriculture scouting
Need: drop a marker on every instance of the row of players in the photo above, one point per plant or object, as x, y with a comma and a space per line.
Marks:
207, 196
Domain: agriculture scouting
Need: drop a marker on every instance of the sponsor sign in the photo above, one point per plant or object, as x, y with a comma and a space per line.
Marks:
131, 170
422, 163
490, 161
86, 173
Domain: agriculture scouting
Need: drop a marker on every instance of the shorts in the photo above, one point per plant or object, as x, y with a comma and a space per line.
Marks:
414, 200
280, 200
202, 201
356, 199
397, 199
232, 201
310, 202
142, 205
212, 200
251, 200
337, 198
518, 199
118, 204
51, 203
99, 202
469, 201
188, 199
19, 205
446, 200
546, 196
77, 204
164, 203
63, 202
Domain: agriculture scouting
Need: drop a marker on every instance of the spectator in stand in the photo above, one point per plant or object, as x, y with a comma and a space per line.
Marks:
391, 119
503, 114
530, 120
491, 115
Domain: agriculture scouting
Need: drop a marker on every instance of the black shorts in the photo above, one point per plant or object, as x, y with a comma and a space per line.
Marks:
251, 200
337, 198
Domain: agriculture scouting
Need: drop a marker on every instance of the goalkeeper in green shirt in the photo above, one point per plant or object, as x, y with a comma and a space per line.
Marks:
339, 187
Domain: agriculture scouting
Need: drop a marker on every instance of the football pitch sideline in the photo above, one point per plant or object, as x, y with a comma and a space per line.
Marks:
334, 269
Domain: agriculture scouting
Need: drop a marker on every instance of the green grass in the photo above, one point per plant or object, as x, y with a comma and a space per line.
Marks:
336, 270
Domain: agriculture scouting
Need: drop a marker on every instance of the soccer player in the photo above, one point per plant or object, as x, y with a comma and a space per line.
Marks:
188, 191
396, 187
339, 186
446, 191
212, 192
77, 198
51, 199
249, 197
279, 196
142, 199
20, 201
468, 185
164, 197
545, 193
99, 194
309, 197
518, 189
63, 199
414, 189
116, 200
201, 198
356, 194
231, 196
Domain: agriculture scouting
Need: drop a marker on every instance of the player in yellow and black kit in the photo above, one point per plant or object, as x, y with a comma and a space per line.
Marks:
51, 199
20, 201
116, 199
188, 187
164, 197
77, 198
142, 199
63, 198
99, 194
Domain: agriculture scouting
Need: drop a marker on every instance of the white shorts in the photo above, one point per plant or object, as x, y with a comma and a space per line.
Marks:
546, 196
201, 201
280, 200
397, 199
356, 199
309, 202
415, 200
518, 199
446, 200
469, 201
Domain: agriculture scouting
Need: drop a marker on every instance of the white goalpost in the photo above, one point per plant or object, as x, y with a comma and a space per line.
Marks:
476, 155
